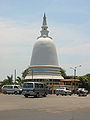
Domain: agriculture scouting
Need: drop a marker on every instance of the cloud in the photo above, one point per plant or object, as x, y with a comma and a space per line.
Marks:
72, 39
11, 33
73, 33
82, 50
13, 38
73, 46
15, 47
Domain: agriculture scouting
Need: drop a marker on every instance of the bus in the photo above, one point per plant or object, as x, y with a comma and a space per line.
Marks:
36, 89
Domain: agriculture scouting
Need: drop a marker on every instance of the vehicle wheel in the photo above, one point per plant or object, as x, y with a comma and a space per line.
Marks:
45, 95
38, 95
20, 92
26, 96
4, 92
57, 94
35, 96
15, 92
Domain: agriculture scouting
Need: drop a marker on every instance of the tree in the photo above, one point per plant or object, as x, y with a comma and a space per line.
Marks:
63, 72
25, 72
19, 81
85, 81
7, 81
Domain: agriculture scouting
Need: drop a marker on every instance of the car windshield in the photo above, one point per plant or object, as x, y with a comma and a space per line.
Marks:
67, 88
28, 85
19, 87
61, 88
9, 87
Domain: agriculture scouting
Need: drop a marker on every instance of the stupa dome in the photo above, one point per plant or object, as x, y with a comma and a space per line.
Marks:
44, 52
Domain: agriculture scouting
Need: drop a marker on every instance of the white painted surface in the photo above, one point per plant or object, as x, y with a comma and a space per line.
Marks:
44, 52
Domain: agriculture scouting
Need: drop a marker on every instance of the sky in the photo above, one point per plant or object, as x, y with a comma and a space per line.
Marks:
68, 25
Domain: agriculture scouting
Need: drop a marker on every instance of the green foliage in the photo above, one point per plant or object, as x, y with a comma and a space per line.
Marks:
7, 81
19, 81
63, 72
45, 80
85, 81
25, 72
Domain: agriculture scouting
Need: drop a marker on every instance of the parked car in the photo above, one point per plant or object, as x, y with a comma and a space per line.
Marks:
36, 89
82, 92
63, 91
11, 89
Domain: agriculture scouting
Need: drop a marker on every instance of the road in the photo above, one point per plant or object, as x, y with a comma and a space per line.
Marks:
16, 107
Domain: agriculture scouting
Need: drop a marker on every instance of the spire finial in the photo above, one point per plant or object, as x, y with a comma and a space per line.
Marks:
44, 14
44, 20
44, 31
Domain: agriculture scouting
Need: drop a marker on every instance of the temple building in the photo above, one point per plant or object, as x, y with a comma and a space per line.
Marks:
44, 64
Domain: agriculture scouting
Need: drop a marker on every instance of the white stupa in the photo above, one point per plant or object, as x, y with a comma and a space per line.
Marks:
44, 61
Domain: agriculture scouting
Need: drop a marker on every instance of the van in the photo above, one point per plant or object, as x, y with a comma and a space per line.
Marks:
36, 89
11, 89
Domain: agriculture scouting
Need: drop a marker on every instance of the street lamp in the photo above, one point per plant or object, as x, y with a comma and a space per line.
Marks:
15, 75
75, 69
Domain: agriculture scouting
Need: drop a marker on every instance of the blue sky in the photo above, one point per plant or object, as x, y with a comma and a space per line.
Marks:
69, 26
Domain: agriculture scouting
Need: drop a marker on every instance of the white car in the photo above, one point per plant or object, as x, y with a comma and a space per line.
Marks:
82, 92
63, 91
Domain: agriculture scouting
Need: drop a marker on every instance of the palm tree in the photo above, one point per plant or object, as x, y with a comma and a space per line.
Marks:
19, 81
25, 72
63, 72
8, 80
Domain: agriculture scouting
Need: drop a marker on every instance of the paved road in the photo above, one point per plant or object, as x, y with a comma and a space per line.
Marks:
42, 115
16, 107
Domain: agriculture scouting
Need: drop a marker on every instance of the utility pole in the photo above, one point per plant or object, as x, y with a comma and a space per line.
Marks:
75, 70
15, 75
32, 74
